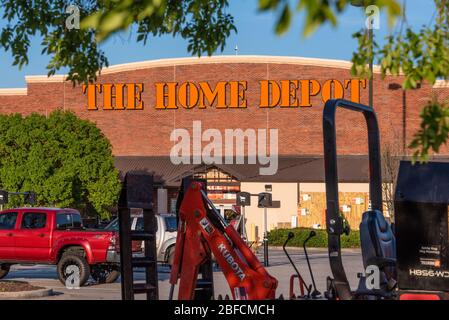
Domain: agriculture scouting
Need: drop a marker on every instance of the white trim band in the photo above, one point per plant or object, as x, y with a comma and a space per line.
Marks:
132, 66
13, 92
441, 84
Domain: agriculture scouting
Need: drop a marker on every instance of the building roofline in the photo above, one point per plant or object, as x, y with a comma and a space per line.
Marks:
172, 62
441, 84
43, 78
13, 91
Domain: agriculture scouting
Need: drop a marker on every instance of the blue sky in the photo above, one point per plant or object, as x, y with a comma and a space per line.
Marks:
255, 37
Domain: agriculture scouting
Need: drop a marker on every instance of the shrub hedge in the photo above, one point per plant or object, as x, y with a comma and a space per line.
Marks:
277, 237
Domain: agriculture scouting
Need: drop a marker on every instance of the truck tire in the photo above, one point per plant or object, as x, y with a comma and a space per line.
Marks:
4, 270
70, 260
105, 273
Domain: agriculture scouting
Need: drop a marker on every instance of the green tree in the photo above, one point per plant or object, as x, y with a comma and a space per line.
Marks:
67, 161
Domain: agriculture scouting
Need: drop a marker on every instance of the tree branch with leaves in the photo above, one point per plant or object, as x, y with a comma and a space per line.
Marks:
204, 24
420, 56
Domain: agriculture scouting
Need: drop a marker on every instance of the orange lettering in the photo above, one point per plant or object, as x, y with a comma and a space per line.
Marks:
309, 88
162, 94
91, 95
288, 93
269, 89
188, 95
135, 95
328, 93
237, 93
117, 96
218, 94
355, 86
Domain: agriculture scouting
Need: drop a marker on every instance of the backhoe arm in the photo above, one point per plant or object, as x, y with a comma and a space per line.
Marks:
202, 231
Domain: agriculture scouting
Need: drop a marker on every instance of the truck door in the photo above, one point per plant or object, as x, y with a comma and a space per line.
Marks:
8, 222
33, 238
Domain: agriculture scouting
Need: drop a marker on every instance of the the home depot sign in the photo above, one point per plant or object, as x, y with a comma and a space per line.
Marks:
222, 95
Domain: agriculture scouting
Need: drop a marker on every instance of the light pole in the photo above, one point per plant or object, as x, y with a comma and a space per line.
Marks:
265, 238
244, 236
371, 77
362, 4
265, 201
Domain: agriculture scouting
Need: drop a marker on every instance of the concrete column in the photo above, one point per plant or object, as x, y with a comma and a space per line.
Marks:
162, 201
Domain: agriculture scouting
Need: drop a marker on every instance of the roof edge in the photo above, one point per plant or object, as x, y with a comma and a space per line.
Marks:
173, 62
440, 84
46, 79
13, 91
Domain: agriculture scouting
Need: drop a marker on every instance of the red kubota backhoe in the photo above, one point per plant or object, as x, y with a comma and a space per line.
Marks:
202, 231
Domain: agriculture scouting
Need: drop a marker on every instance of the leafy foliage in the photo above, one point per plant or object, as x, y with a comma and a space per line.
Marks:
420, 56
75, 49
434, 130
319, 12
203, 23
65, 160
277, 237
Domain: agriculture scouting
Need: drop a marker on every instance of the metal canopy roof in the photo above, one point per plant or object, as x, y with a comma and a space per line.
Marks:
290, 169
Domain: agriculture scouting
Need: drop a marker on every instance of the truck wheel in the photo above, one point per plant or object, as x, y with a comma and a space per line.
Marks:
171, 255
70, 263
4, 269
105, 273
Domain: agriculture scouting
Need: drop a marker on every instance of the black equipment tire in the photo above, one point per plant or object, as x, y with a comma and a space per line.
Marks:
4, 270
105, 273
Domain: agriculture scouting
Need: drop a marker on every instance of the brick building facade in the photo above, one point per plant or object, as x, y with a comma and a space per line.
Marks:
145, 132
299, 127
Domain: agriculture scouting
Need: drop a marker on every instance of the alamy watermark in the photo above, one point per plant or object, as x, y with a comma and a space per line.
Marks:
73, 19
372, 277
372, 20
72, 273
261, 146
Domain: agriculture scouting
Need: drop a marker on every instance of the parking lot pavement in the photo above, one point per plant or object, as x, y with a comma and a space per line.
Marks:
280, 268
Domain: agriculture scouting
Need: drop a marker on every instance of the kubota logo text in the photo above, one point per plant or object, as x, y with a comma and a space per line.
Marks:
230, 260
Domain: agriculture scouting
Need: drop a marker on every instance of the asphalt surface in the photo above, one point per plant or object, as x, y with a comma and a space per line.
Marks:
280, 268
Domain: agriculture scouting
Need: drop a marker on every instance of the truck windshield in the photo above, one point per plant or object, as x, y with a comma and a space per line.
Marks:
112, 226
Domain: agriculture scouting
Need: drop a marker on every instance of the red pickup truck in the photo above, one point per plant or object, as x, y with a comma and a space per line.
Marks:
57, 236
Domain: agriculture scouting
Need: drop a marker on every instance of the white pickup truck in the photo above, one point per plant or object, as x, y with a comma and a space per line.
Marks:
165, 236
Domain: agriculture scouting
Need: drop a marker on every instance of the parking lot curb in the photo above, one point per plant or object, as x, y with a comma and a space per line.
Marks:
26, 294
